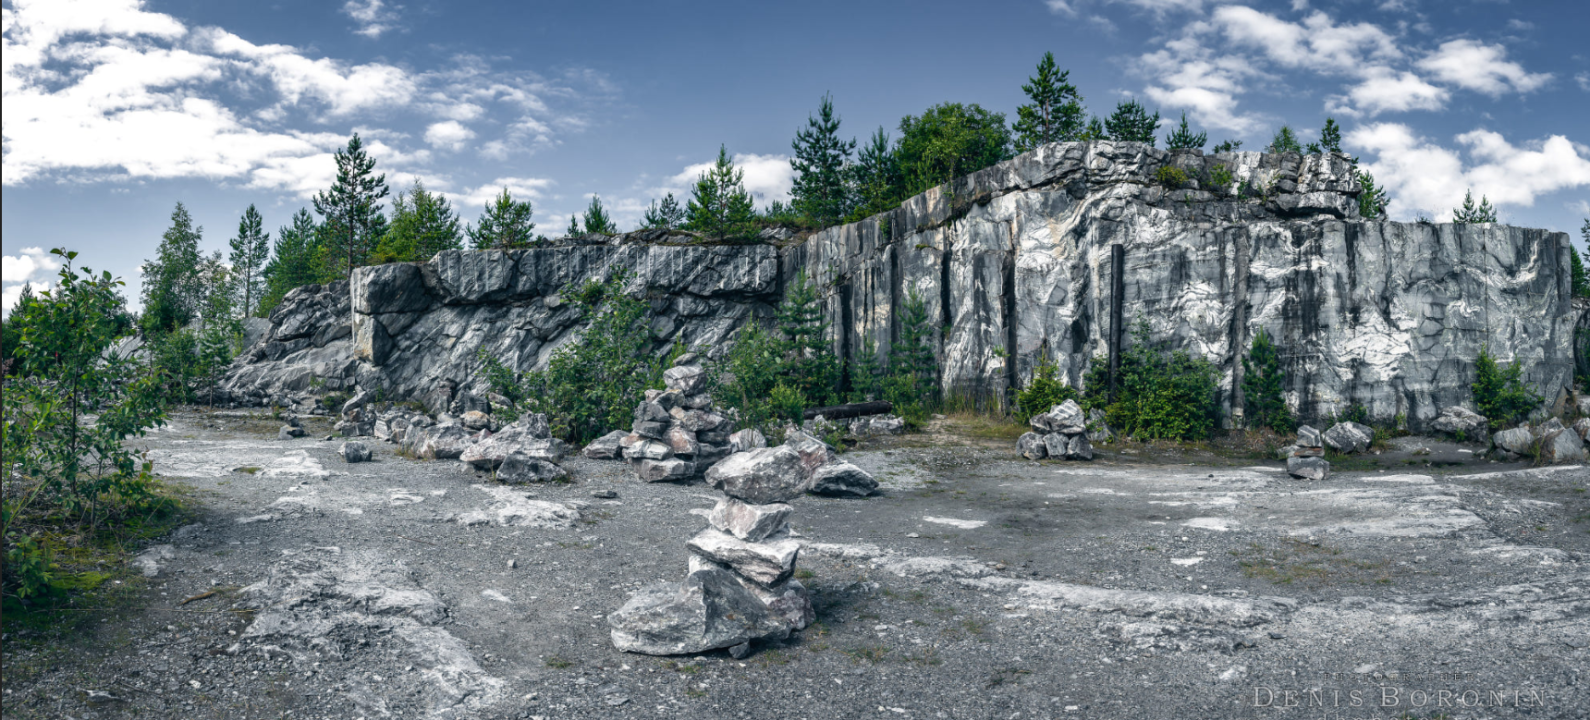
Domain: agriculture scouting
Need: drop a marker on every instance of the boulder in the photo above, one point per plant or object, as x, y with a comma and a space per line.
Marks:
877, 425
1583, 428
752, 523
1309, 437
1308, 468
682, 441
762, 475
354, 428
475, 420
1031, 446
288, 432
1562, 447
1349, 437
814, 453
354, 452
647, 449
788, 600
664, 470
842, 478
1098, 430
1078, 448
1065, 418
489, 452
1459, 421
443, 442
687, 379
517, 468
605, 447
650, 429
711, 609
1518, 440
766, 563
1055, 445
747, 439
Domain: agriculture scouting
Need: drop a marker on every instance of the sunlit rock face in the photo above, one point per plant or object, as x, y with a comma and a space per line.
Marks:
1012, 265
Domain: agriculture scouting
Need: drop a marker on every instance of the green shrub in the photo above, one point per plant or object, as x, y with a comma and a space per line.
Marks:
1263, 382
1043, 393
1171, 177
1500, 393
591, 385
1158, 395
1220, 179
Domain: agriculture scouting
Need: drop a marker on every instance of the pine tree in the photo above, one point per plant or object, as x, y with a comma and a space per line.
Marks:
866, 374
574, 227
423, 224
1094, 131
809, 363
172, 290
664, 215
1055, 113
1330, 138
1284, 141
1580, 283
1184, 139
596, 219
912, 367
351, 209
1471, 213
1371, 197
294, 263
876, 177
1263, 386
719, 206
250, 249
505, 225
1131, 123
1227, 146
820, 191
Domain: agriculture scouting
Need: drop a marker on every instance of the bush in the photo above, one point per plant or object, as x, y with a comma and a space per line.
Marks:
1158, 395
1043, 393
1262, 384
1500, 393
591, 385
1171, 177
1220, 179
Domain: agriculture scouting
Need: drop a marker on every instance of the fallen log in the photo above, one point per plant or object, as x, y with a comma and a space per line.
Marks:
852, 410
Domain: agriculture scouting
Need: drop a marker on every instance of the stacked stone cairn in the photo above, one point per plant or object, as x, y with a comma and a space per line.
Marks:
1306, 459
676, 435
1061, 433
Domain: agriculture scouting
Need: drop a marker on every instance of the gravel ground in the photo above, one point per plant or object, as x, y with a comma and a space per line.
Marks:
975, 585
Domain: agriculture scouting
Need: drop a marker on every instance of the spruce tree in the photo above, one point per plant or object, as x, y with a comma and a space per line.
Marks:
1227, 146
820, 192
1264, 385
663, 215
171, 288
1131, 123
1055, 113
719, 206
809, 363
1094, 131
505, 225
351, 209
1471, 213
1284, 141
250, 249
876, 177
1330, 137
294, 262
1184, 139
1580, 283
597, 220
574, 227
423, 224
1371, 197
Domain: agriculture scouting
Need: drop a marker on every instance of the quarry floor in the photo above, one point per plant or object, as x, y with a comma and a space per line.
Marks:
1143, 584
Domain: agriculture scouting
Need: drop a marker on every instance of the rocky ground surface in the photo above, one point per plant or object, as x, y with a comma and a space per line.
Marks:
977, 584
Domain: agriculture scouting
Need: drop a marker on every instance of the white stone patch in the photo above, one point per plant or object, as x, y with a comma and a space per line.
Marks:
251, 519
1413, 510
150, 560
1536, 555
211, 459
1098, 491
295, 464
510, 508
1217, 524
954, 522
401, 497
913, 567
843, 551
1412, 479
495, 596
1182, 607
1186, 561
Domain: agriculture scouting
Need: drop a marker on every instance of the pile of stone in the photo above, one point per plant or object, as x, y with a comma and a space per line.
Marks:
1306, 459
523, 451
1551, 442
740, 587
1060, 433
291, 427
676, 435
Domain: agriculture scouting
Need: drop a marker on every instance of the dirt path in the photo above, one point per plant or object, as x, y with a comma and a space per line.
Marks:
977, 585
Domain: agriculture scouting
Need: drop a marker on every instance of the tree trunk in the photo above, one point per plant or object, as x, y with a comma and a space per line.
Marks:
852, 410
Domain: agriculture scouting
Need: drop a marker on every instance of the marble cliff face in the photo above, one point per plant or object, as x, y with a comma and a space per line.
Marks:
1013, 264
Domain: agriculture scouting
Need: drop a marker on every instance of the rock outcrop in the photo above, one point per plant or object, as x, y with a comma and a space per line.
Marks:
1013, 263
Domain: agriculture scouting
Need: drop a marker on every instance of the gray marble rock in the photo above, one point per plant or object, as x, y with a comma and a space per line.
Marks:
874, 425
1308, 468
517, 468
1562, 447
1065, 418
668, 470
443, 442
766, 563
747, 439
647, 449
682, 441
1098, 429
1056, 445
842, 478
1349, 437
814, 453
1518, 440
1457, 420
708, 611
489, 452
687, 379
354, 451
1583, 428
605, 447
1309, 437
476, 420
1031, 446
761, 475
1078, 447
752, 523
288, 432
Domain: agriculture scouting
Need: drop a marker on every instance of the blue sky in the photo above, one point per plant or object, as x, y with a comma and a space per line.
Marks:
114, 110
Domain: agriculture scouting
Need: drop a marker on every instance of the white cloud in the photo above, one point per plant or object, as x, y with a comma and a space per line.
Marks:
1584, 81
1421, 176
30, 263
1163, 7
1385, 90
1582, 207
449, 134
1061, 7
1484, 68
1186, 75
767, 177
11, 293
372, 16
520, 188
1317, 43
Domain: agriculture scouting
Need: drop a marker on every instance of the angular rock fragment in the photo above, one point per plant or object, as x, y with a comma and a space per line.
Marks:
752, 523
1308, 468
1065, 418
687, 379
1031, 446
1078, 448
747, 439
288, 432
605, 447
1518, 440
444, 442
814, 453
1309, 437
708, 611
682, 441
354, 452
1583, 428
762, 475
767, 563
475, 420
1460, 421
1561, 447
647, 449
842, 478
519, 468
1056, 445
664, 470
1349, 437
487, 454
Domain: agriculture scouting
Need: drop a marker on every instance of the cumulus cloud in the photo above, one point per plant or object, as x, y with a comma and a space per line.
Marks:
29, 264
1423, 176
449, 134
1483, 68
11, 293
1385, 90
520, 188
372, 16
767, 177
